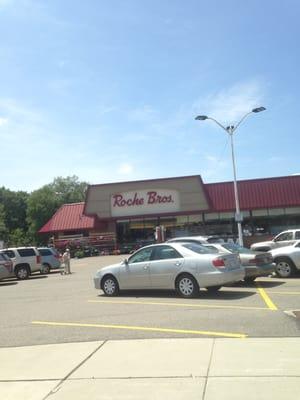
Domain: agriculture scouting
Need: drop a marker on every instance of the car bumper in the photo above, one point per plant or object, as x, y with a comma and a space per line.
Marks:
97, 283
262, 270
221, 278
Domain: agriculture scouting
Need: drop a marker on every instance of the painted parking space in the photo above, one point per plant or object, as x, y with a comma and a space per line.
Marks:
238, 309
143, 328
177, 304
130, 306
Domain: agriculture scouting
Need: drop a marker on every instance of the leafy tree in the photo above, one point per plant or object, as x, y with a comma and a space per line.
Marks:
69, 189
43, 203
14, 207
3, 228
18, 237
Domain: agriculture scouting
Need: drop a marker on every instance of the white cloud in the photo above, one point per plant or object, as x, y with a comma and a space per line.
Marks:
3, 121
125, 169
229, 105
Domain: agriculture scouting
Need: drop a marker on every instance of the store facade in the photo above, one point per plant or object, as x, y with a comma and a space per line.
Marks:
187, 206
137, 208
129, 212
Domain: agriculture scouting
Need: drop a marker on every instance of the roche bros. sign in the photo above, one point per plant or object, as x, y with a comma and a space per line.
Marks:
142, 202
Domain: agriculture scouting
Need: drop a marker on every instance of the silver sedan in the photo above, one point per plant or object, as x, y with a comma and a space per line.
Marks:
186, 267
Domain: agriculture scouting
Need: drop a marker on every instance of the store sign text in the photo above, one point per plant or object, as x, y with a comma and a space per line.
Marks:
144, 202
152, 198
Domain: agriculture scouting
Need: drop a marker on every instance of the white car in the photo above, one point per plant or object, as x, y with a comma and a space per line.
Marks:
186, 267
26, 260
287, 260
285, 238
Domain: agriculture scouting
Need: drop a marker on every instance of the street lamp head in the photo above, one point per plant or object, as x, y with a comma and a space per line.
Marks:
258, 109
201, 118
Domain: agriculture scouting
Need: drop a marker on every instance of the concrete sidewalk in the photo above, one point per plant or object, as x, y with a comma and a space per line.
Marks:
164, 369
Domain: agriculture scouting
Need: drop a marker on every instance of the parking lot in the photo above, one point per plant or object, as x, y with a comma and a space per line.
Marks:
56, 309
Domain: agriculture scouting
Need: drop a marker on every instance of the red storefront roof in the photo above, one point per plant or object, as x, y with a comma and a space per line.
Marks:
68, 217
256, 193
253, 194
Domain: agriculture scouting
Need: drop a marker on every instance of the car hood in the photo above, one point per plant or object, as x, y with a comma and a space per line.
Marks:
113, 269
259, 244
281, 250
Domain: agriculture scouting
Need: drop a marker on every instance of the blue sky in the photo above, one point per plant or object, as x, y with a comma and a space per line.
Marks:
108, 90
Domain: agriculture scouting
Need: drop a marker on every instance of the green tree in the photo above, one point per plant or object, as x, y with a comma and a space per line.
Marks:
3, 228
69, 189
43, 203
19, 237
15, 207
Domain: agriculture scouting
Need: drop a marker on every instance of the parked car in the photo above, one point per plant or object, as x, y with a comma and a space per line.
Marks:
6, 266
26, 260
255, 263
186, 267
198, 239
50, 259
285, 238
287, 260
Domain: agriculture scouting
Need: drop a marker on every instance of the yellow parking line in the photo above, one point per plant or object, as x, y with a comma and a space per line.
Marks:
152, 303
142, 328
265, 297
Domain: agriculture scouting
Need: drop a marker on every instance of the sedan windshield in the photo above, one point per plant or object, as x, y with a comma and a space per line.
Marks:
197, 248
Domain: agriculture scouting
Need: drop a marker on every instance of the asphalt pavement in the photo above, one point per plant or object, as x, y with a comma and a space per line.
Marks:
62, 339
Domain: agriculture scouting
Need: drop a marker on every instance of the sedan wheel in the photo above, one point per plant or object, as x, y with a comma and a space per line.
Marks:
45, 269
284, 268
110, 286
187, 286
22, 273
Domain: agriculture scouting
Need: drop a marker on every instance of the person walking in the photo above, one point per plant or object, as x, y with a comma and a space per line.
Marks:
66, 261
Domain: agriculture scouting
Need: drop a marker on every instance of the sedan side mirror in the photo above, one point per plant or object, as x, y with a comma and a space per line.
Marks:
125, 262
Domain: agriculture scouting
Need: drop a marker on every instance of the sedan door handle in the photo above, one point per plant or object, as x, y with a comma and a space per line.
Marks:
177, 263
145, 267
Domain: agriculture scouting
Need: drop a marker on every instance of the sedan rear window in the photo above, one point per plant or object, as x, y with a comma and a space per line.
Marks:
197, 248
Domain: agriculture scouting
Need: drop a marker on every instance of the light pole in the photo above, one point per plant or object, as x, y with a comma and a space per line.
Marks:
230, 130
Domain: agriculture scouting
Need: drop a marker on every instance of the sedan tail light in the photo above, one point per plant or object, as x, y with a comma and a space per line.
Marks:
218, 263
38, 259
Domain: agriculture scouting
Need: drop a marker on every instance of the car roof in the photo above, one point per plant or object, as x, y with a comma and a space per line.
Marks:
179, 246
182, 238
289, 230
19, 248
